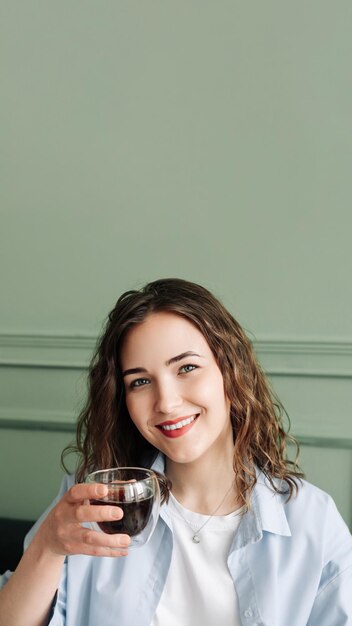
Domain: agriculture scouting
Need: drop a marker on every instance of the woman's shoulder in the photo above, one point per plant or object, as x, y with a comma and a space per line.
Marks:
312, 501
313, 511
311, 521
308, 494
309, 506
67, 481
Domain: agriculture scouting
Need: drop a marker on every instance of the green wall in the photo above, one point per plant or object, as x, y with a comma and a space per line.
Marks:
205, 140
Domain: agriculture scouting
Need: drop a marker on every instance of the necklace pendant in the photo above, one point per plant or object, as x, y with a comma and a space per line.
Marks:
196, 538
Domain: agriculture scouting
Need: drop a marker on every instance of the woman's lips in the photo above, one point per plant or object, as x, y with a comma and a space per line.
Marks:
177, 428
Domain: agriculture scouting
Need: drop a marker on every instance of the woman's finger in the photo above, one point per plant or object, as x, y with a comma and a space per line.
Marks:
98, 539
95, 543
96, 513
85, 491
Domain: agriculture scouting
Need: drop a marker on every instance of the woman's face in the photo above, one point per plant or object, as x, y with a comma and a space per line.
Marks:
174, 388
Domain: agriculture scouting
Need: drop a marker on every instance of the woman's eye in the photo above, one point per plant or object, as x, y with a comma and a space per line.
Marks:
188, 368
139, 382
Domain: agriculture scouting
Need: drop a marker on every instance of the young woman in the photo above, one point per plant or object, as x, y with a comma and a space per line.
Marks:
241, 539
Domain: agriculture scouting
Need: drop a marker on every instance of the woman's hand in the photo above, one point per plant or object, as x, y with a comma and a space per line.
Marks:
28, 595
63, 534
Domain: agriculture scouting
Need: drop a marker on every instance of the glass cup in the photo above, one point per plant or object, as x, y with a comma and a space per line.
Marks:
136, 491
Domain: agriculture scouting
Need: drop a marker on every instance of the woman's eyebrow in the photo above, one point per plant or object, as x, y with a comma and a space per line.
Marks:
179, 357
174, 359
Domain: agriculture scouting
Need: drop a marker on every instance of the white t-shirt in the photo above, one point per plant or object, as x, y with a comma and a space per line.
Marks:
199, 588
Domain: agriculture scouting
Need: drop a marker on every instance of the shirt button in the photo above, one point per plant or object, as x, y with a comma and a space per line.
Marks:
248, 613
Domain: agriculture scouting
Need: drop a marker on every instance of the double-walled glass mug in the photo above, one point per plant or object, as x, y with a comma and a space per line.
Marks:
136, 491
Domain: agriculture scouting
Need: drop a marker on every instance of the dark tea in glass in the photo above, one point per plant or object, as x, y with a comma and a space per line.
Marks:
135, 517
136, 491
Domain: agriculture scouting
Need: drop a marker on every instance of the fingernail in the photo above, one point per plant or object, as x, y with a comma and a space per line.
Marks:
101, 490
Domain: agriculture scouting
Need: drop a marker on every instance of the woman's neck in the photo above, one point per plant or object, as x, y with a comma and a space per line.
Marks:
201, 485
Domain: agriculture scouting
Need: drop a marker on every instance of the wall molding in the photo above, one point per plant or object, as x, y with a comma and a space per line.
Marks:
46, 351
37, 419
64, 423
305, 358
38, 359
279, 357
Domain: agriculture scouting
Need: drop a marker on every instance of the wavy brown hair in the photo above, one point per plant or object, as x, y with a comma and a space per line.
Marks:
106, 435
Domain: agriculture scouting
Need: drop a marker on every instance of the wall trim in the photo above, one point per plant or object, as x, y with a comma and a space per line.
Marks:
46, 351
65, 423
306, 358
279, 357
325, 442
37, 419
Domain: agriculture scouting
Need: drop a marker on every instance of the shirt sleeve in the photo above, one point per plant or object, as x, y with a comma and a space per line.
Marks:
66, 483
333, 605
333, 602
58, 612
4, 578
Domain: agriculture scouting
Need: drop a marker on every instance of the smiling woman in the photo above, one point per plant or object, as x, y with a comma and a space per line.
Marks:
177, 397
175, 387
178, 316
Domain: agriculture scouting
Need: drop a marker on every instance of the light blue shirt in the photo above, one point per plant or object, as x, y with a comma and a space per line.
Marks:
291, 563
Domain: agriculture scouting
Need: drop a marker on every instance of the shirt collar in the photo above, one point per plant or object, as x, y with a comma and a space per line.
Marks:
270, 506
267, 512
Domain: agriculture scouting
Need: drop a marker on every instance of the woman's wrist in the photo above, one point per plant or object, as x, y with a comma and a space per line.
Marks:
40, 552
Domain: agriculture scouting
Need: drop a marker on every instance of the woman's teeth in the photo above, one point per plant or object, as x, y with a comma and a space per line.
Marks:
181, 424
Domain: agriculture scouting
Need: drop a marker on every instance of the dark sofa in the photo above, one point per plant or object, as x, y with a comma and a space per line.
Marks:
12, 533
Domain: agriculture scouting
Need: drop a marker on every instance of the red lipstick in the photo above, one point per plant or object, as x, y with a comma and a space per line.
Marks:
173, 429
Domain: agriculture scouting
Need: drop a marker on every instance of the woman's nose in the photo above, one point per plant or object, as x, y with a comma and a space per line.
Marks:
167, 399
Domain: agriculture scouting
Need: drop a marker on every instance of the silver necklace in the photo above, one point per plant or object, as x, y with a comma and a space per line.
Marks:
196, 537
